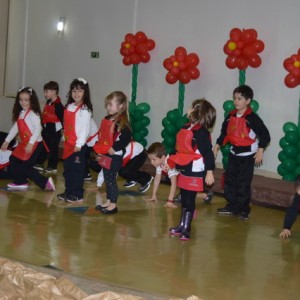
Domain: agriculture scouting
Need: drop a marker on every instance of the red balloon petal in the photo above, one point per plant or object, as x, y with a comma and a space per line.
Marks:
171, 78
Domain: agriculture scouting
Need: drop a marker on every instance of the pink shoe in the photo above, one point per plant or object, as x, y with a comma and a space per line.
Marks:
17, 186
50, 185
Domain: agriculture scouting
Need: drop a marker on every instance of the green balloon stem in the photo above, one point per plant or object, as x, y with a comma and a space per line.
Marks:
135, 71
242, 77
299, 113
181, 98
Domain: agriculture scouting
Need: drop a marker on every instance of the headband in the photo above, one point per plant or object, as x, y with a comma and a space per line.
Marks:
82, 80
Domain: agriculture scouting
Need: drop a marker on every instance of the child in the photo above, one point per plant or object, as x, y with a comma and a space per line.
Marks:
248, 137
77, 118
52, 119
27, 118
134, 158
292, 212
195, 158
114, 136
5, 172
158, 158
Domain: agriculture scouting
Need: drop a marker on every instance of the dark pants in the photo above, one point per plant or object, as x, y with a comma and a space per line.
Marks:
23, 169
237, 183
52, 139
131, 171
188, 200
74, 167
5, 173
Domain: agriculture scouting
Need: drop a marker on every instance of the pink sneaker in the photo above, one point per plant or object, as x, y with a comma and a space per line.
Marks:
17, 186
50, 185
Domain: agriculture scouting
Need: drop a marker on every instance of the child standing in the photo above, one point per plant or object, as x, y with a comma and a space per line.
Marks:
292, 212
195, 158
158, 158
77, 118
27, 118
52, 119
248, 136
114, 136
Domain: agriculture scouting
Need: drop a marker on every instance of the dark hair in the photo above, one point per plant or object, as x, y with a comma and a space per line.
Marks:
245, 91
158, 149
122, 116
52, 85
80, 83
34, 102
203, 113
297, 181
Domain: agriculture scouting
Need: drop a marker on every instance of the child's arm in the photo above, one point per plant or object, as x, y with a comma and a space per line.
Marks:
173, 187
209, 178
156, 183
259, 157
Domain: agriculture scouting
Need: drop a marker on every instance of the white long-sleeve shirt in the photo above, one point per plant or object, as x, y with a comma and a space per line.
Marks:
33, 121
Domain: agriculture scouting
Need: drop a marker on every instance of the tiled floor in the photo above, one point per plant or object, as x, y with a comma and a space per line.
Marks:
225, 259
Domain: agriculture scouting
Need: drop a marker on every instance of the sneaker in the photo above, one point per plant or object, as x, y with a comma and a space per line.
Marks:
73, 199
243, 216
17, 186
50, 170
39, 167
225, 211
129, 184
61, 196
145, 187
88, 177
208, 198
50, 185
177, 198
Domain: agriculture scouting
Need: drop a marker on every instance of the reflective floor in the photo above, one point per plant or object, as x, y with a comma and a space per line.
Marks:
225, 259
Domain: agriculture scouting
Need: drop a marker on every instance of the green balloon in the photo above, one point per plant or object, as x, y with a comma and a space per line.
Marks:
254, 105
282, 156
164, 134
143, 107
165, 122
137, 136
171, 130
145, 121
228, 106
292, 137
289, 177
290, 151
281, 170
169, 141
173, 115
144, 131
137, 115
283, 143
297, 171
143, 141
131, 107
289, 164
290, 126
298, 159
137, 126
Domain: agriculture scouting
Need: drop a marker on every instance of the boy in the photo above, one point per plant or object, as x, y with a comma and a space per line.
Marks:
248, 136
158, 158
292, 212
52, 119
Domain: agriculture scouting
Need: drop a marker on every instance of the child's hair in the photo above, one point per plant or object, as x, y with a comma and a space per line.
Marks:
52, 86
80, 83
203, 113
245, 91
158, 149
122, 115
34, 102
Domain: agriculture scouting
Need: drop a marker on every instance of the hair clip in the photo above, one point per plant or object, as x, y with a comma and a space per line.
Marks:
25, 88
20, 89
82, 80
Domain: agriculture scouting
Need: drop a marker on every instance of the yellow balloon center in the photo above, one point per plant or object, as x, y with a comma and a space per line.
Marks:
127, 46
297, 64
175, 63
232, 46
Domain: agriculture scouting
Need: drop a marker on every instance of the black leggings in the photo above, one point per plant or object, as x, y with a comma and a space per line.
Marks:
188, 199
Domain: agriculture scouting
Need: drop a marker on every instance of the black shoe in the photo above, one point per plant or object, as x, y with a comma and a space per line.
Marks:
177, 198
61, 196
39, 167
209, 196
72, 199
109, 212
129, 184
88, 177
145, 187
225, 211
243, 216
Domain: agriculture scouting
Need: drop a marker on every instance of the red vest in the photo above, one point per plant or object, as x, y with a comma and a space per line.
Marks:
237, 130
49, 115
25, 135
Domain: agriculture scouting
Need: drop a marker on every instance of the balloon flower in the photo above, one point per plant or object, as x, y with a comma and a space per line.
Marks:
292, 65
242, 49
135, 49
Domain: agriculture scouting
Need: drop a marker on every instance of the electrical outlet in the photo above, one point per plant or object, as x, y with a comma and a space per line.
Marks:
95, 54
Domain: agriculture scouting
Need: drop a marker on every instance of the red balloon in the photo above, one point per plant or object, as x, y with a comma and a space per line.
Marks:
167, 64
226, 49
150, 44
131, 50
127, 60
258, 46
175, 71
295, 72
291, 81
236, 52
184, 77
192, 60
240, 44
135, 58
171, 78
141, 48
249, 36
182, 65
180, 51
254, 61
124, 51
248, 51
235, 34
231, 62
241, 63
141, 36
129, 37
195, 73
180, 57
288, 65
145, 57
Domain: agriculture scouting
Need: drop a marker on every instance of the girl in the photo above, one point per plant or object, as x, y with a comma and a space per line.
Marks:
77, 118
195, 158
27, 118
114, 136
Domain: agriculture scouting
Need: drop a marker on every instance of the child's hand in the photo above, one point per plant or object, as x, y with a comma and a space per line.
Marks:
166, 168
285, 234
77, 149
111, 151
153, 199
216, 150
259, 157
28, 148
209, 178
4, 146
